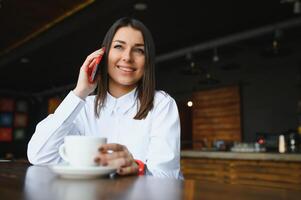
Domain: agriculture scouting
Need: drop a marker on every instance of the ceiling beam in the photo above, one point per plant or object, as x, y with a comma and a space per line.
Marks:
71, 23
230, 39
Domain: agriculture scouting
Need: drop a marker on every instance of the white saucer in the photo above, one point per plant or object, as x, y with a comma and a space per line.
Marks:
67, 171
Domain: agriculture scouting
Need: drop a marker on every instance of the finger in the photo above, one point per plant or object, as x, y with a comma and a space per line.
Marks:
92, 63
93, 56
97, 160
86, 63
114, 155
97, 53
108, 157
120, 162
133, 169
112, 147
102, 50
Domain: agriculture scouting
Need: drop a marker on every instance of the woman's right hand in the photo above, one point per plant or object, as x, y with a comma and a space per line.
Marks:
84, 87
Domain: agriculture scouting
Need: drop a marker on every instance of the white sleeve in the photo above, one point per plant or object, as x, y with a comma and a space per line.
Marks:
49, 134
163, 158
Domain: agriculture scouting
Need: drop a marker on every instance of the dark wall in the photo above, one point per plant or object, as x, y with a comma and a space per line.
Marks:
270, 95
270, 88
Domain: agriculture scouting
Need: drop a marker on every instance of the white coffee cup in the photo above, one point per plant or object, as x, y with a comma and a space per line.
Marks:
80, 151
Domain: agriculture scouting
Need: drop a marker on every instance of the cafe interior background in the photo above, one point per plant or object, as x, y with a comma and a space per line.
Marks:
233, 67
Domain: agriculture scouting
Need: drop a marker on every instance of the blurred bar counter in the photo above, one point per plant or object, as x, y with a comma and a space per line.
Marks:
293, 157
269, 170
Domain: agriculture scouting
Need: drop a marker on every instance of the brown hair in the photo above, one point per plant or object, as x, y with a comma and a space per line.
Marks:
146, 86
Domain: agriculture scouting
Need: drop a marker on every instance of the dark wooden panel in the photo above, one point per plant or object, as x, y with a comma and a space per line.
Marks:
279, 174
216, 116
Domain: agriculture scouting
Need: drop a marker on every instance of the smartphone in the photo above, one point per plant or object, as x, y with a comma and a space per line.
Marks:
92, 71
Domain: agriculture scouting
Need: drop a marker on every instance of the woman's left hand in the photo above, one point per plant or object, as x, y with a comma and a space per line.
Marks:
117, 155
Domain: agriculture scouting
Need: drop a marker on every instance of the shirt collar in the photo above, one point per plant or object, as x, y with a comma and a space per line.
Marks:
121, 104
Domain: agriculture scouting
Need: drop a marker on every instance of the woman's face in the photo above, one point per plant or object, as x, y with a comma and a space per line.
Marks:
126, 59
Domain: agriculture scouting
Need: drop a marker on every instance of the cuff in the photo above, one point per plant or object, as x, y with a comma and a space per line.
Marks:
141, 169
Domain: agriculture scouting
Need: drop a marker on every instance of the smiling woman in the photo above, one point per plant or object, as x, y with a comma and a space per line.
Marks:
141, 124
126, 61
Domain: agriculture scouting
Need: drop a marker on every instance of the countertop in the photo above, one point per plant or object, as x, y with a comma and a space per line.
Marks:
296, 157
21, 181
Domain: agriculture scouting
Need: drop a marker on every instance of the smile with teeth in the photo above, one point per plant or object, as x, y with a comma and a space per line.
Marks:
126, 69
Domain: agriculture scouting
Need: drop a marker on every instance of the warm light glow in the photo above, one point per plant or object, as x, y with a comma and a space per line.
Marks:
189, 104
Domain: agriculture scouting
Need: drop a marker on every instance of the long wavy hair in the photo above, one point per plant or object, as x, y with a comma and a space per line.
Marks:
145, 86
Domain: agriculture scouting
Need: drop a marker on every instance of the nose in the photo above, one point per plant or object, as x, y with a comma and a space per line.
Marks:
126, 55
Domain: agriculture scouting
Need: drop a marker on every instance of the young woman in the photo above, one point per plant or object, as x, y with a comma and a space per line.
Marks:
141, 124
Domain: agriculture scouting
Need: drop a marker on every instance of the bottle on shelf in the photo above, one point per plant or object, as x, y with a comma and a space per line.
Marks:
281, 144
293, 141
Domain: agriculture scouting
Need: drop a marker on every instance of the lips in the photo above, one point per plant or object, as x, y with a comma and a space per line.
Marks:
126, 69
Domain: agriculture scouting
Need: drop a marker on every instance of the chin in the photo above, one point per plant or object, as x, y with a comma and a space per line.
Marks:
128, 83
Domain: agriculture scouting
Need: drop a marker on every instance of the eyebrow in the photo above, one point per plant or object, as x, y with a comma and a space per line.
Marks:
123, 42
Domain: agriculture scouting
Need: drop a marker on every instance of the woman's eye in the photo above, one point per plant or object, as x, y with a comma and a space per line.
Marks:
118, 46
141, 51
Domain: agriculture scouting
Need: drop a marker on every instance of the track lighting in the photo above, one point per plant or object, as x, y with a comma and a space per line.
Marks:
140, 6
296, 6
215, 57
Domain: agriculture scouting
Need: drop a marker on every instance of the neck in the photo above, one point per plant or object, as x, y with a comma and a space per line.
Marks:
119, 90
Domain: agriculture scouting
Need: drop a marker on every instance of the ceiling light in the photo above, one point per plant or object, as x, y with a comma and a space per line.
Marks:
189, 103
215, 57
192, 67
275, 44
140, 6
297, 7
24, 60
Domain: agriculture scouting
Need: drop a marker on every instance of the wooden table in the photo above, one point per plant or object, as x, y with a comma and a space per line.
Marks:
270, 170
22, 181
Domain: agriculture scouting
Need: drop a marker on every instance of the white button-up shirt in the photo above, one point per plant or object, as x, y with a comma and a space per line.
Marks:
154, 140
